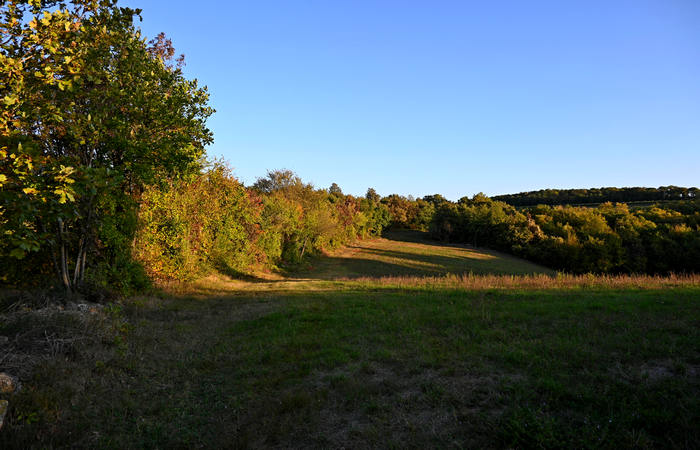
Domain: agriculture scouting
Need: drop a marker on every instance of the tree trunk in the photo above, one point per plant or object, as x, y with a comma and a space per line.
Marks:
78, 259
54, 259
303, 247
64, 263
82, 263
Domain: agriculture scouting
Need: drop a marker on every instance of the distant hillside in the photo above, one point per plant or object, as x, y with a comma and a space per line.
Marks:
599, 195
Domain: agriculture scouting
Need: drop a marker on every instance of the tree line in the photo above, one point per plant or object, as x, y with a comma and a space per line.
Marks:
610, 238
599, 195
213, 222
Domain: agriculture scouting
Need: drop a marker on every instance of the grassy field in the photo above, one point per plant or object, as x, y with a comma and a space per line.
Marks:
410, 253
391, 343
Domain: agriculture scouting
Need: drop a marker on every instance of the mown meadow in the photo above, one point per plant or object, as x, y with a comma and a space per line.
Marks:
422, 353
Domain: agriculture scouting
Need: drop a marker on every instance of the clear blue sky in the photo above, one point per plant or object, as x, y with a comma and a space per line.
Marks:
449, 97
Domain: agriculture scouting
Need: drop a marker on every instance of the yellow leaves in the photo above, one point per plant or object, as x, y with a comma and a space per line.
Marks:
30, 191
33, 23
64, 174
64, 195
65, 84
3, 179
10, 100
46, 20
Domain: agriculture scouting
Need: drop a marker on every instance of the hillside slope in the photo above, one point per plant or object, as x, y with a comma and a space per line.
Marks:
412, 253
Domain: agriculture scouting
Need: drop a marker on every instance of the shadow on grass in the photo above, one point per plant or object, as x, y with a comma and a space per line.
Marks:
423, 237
350, 369
239, 275
430, 258
350, 268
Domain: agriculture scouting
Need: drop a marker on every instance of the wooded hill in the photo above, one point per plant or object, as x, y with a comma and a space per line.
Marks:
599, 195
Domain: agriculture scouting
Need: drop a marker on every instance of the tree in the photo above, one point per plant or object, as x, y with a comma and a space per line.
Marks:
278, 180
435, 199
372, 196
84, 88
335, 190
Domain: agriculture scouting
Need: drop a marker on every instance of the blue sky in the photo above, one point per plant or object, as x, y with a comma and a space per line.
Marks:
449, 97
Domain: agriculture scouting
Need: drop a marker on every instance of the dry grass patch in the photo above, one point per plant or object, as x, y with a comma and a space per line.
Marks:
536, 282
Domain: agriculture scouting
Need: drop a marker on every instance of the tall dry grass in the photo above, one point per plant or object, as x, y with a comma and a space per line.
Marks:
537, 281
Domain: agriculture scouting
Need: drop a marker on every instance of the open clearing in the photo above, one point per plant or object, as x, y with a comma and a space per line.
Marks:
371, 347
409, 253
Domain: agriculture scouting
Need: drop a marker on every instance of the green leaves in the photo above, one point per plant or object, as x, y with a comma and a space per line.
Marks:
33, 189
101, 113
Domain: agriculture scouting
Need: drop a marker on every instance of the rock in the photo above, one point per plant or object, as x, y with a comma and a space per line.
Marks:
3, 411
7, 383
92, 308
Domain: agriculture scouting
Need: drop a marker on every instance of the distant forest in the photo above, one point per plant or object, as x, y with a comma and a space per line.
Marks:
599, 195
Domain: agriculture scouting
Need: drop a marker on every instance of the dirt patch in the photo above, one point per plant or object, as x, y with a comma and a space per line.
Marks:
656, 371
355, 405
33, 336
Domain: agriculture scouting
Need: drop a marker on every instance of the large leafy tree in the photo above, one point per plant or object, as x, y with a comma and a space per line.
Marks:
99, 113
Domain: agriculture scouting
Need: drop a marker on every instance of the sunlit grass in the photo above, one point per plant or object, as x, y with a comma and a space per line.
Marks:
411, 253
537, 282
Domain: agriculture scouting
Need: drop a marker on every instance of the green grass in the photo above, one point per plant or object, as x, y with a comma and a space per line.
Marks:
411, 253
317, 362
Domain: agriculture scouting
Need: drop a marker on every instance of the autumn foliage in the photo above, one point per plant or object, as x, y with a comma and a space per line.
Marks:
610, 238
104, 184
212, 222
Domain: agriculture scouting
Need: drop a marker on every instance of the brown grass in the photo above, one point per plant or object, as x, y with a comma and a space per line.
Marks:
537, 281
